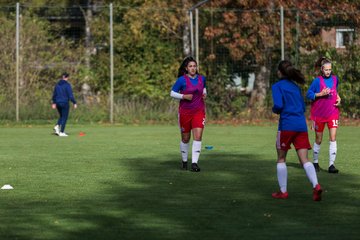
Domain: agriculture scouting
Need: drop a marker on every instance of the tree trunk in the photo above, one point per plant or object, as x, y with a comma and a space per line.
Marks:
258, 95
88, 16
186, 40
88, 20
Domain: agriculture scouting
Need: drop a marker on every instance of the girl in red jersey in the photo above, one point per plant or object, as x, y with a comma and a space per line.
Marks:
190, 89
324, 110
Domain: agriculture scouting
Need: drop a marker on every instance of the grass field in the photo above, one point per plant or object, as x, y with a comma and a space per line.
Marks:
124, 183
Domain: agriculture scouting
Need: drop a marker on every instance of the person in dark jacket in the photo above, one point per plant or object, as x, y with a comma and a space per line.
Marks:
60, 101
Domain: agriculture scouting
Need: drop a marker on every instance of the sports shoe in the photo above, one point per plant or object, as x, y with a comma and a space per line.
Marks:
195, 167
57, 129
280, 195
184, 165
332, 169
317, 167
62, 134
317, 193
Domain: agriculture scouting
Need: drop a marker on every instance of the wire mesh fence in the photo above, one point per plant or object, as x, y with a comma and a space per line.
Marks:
237, 50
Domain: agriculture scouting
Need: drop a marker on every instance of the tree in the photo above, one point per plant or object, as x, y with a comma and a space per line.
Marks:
250, 31
150, 40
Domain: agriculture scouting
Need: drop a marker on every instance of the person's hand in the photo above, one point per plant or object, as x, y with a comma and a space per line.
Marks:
75, 105
53, 106
204, 96
338, 100
324, 92
188, 97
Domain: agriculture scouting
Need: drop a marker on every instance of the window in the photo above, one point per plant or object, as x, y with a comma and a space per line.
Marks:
344, 37
242, 84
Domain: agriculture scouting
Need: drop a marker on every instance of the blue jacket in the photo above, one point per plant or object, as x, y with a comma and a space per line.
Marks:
63, 93
289, 103
315, 86
180, 83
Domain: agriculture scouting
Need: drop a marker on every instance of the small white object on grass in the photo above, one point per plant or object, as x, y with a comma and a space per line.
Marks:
7, 187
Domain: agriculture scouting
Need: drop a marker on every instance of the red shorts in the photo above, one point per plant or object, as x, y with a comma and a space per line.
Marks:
190, 121
319, 126
300, 140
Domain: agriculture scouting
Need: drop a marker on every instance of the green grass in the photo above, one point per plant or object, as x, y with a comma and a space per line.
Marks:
124, 182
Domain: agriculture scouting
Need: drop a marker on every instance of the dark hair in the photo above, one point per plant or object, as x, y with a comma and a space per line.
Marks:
288, 70
182, 68
320, 63
65, 74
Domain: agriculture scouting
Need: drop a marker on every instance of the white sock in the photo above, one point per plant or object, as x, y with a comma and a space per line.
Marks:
196, 149
311, 173
316, 152
332, 152
184, 149
281, 170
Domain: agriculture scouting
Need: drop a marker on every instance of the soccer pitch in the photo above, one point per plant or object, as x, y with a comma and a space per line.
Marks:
125, 182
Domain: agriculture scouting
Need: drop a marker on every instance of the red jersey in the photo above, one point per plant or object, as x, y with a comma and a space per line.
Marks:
197, 103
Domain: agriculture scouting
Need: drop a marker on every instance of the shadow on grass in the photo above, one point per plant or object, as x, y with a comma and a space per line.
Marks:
229, 199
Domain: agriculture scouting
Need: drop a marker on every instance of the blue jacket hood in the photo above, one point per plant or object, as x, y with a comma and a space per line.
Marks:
62, 82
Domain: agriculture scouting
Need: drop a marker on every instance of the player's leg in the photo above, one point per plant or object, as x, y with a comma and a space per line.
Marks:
57, 126
64, 115
57, 129
332, 125
196, 148
310, 173
59, 108
308, 166
283, 141
319, 129
185, 128
282, 175
302, 145
198, 124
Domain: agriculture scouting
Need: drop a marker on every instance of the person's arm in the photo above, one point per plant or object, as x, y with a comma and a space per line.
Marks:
323, 92
181, 96
71, 95
277, 99
314, 90
302, 102
338, 100
176, 95
179, 85
204, 90
53, 105
310, 94
175, 90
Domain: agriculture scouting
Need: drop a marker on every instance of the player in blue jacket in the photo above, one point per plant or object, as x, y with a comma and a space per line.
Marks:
292, 128
60, 101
